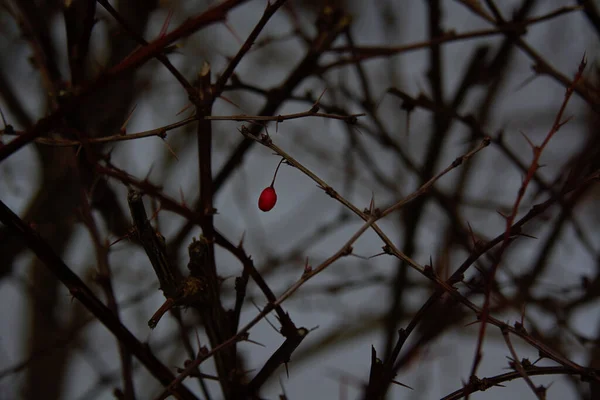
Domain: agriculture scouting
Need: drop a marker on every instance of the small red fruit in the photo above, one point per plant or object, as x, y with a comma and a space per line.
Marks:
267, 199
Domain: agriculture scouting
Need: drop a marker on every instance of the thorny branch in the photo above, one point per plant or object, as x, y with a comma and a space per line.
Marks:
331, 55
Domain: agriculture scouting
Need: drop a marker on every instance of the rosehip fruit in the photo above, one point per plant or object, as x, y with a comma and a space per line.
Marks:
267, 199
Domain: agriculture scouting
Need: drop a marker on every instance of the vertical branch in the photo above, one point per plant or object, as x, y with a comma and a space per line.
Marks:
204, 137
331, 23
34, 23
434, 147
215, 318
104, 278
435, 56
79, 21
508, 234
269, 12
84, 294
154, 245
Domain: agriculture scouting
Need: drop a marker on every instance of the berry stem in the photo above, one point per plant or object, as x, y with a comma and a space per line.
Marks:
275, 175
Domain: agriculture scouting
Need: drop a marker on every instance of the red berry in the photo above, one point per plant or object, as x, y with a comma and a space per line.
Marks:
267, 199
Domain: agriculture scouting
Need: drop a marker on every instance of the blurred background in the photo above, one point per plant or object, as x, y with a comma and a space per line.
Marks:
403, 64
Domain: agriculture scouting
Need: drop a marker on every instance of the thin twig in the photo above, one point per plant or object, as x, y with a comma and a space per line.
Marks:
84, 294
119, 137
519, 366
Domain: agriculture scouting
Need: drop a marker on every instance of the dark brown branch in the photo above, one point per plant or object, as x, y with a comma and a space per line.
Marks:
81, 292
281, 356
154, 245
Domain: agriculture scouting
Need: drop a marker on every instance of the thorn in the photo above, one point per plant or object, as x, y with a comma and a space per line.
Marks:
155, 214
560, 124
359, 256
533, 146
284, 395
472, 235
527, 235
241, 242
231, 102
376, 255
184, 109
149, 172
266, 319
316, 103
165, 27
307, 267
526, 82
3, 119
431, 262
182, 197
126, 236
502, 214
235, 35
170, 149
254, 342
402, 384
123, 128
198, 341
428, 270
471, 323
583, 63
